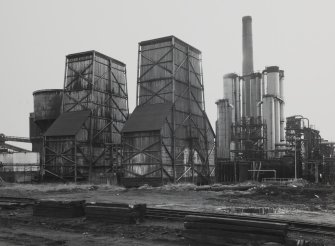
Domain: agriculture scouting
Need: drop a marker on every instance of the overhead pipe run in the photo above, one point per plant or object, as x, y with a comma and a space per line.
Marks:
302, 118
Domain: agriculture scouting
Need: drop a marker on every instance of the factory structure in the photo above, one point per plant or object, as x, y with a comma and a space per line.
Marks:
168, 137
84, 131
251, 114
77, 130
253, 138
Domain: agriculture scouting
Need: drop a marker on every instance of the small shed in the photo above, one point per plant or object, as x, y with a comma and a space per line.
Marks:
147, 158
66, 147
142, 145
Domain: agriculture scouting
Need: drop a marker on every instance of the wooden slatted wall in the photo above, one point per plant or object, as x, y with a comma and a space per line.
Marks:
97, 83
169, 71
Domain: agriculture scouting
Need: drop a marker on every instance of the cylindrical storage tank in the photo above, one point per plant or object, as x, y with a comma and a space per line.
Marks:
34, 129
269, 119
47, 107
47, 104
272, 81
231, 91
223, 131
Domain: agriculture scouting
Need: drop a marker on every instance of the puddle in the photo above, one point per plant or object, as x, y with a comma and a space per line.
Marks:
249, 210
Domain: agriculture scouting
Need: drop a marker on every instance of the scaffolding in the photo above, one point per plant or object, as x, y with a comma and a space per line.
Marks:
305, 145
249, 136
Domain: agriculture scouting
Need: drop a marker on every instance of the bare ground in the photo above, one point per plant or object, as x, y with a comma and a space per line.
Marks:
19, 227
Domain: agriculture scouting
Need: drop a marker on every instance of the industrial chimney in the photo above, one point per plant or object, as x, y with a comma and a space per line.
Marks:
248, 63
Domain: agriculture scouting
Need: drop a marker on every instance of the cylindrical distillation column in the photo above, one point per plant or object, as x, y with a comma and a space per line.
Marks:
255, 93
231, 91
223, 129
271, 107
269, 119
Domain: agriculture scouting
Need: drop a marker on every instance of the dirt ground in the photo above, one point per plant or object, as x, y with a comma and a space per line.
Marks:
302, 202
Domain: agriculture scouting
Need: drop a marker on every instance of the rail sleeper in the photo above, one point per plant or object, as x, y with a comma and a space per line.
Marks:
218, 231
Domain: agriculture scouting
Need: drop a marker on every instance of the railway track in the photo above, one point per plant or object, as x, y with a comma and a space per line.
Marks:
12, 202
179, 215
294, 226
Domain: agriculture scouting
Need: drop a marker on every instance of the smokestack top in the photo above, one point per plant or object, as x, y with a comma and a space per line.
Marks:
230, 76
247, 47
247, 18
256, 75
272, 69
222, 101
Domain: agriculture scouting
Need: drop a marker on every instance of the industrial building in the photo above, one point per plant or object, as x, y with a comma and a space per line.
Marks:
47, 108
168, 137
253, 141
19, 167
84, 131
17, 164
78, 129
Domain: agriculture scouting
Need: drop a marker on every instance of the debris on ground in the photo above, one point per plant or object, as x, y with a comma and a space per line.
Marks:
221, 187
170, 187
310, 202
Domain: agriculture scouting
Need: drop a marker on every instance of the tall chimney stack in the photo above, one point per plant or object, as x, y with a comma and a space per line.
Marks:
248, 62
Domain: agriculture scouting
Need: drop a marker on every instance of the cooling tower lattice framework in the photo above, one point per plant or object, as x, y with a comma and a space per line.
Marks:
85, 140
178, 142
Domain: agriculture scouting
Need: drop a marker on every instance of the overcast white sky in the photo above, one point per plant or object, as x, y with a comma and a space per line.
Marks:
298, 36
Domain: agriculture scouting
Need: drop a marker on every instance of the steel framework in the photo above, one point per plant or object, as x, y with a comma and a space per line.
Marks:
170, 73
96, 83
5, 147
305, 143
250, 137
